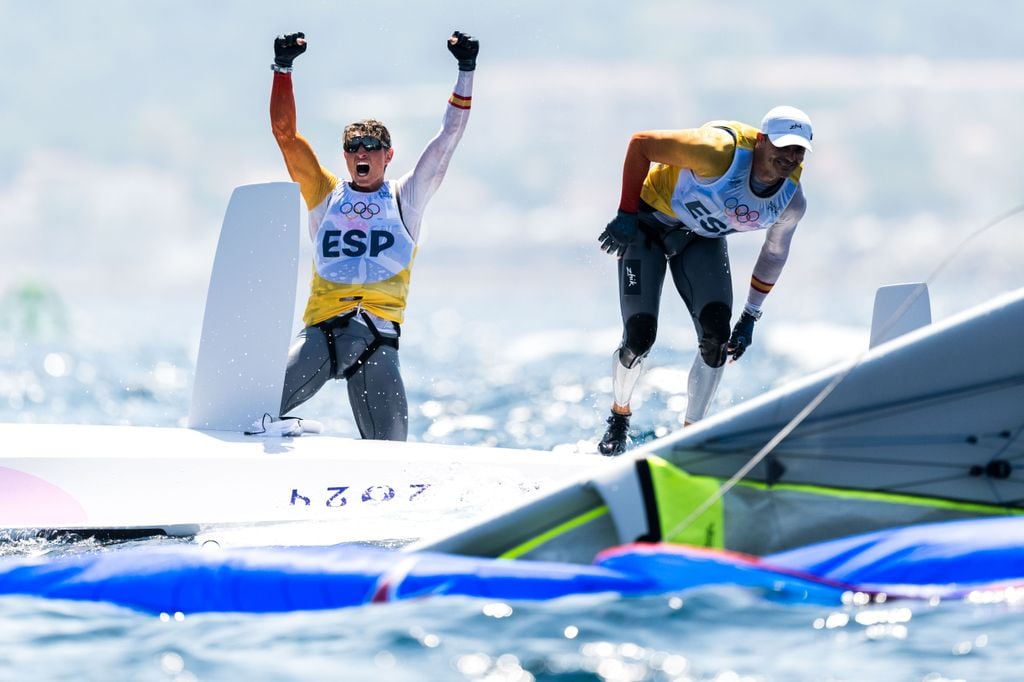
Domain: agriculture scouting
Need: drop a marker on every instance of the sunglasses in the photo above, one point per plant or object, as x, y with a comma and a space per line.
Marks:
367, 142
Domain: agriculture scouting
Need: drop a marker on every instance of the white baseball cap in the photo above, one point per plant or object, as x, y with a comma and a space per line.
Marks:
785, 126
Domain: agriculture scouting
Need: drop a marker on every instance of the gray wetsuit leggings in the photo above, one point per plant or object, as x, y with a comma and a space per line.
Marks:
375, 389
700, 271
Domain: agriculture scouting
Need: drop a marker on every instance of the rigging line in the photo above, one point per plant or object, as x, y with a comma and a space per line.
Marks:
854, 452
852, 417
987, 442
897, 489
1010, 438
994, 490
796, 456
994, 443
838, 379
916, 402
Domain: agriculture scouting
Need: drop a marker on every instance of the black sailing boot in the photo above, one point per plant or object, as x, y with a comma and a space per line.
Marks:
616, 437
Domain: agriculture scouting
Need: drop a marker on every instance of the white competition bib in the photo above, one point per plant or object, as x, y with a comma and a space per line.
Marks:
727, 204
361, 238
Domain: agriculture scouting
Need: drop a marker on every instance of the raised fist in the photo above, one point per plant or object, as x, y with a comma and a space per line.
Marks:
287, 48
465, 48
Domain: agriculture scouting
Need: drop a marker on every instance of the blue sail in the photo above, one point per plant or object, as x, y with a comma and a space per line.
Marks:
946, 560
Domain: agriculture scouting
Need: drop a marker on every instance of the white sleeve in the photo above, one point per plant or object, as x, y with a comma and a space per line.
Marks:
415, 188
775, 252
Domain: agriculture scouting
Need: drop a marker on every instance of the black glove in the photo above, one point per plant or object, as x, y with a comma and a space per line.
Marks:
465, 48
742, 335
619, 234
287, 48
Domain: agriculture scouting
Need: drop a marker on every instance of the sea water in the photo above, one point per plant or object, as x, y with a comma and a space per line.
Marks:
723, 634
520, 373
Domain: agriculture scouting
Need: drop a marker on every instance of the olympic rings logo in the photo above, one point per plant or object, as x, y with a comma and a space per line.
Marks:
741, 212
360, 208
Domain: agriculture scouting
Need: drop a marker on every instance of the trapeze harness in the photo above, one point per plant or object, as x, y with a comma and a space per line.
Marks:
328, 327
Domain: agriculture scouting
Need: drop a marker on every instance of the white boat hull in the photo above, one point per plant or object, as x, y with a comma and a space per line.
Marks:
179, 481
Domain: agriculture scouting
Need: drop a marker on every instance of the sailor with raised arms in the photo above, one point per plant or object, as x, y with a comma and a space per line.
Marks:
364, 234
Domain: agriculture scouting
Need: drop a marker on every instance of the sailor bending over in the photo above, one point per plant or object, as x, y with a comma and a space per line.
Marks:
365, 234
706, 183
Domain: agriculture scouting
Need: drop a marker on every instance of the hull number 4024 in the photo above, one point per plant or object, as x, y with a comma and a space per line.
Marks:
342, 495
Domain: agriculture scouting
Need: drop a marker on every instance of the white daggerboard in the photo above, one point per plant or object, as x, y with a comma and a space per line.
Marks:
249, 310
899, 308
